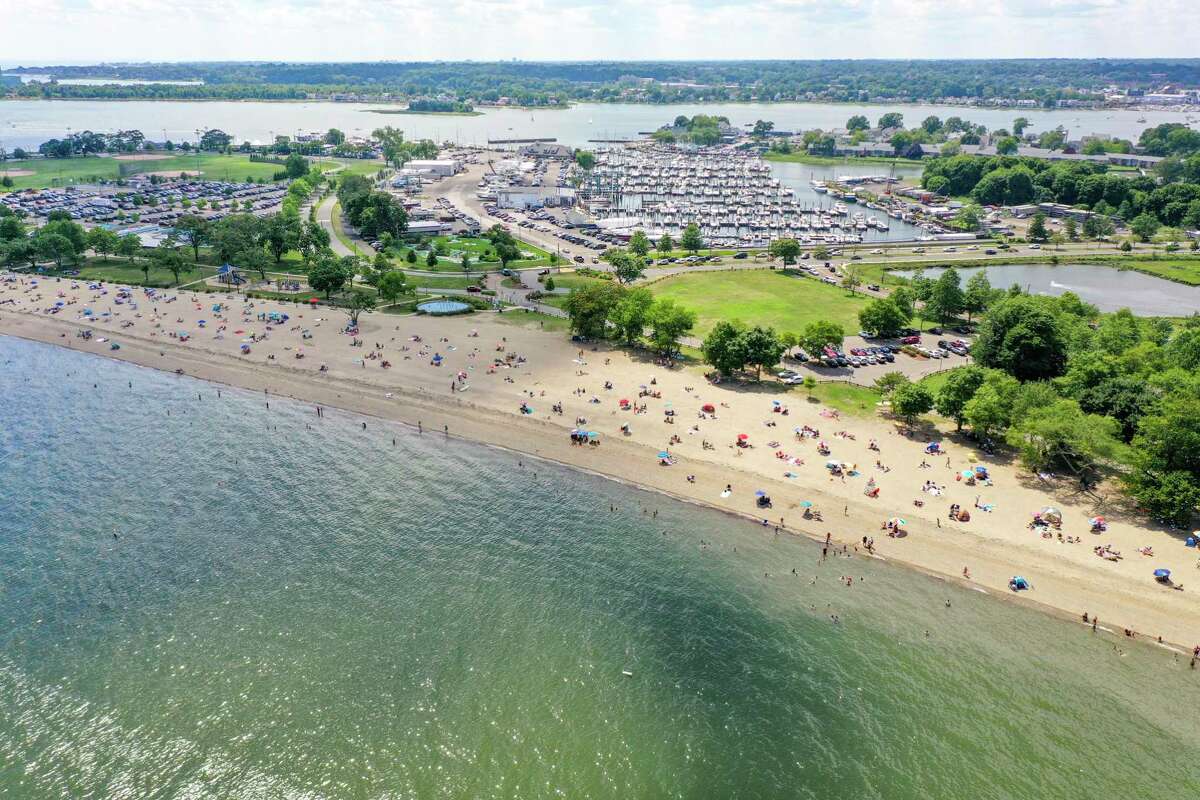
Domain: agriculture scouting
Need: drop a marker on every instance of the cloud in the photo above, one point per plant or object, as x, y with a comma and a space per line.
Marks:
83, 31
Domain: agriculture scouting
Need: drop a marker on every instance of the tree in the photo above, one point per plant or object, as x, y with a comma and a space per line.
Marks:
280, 233
991, 408
103, 241
761, 348
1071, 229
889, 382
946, 298
585, 159
670, 322
1023, 338
821, 333
194, 231
129, 246
392, 285
328, 275
431, 259
411, 256
691, 239
978, 294
904, 299
786, 249
1144, 226
1007, 146
762, 128
852, 276
55, 247
168, 258
589, 308
911, 401
821, 253
723, 347
960, 386
892, 119
296, 166
639, 244
1060, 435
1037, 228
1098, 226
665, 244
883, 318
505, 245
1019, 125
334, 137
359, 302
858, 123
631, 314
626, 267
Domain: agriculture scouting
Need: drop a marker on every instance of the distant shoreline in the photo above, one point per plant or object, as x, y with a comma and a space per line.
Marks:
423, 113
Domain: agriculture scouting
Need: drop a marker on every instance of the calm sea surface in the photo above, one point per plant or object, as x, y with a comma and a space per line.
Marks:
28, 123
290, 611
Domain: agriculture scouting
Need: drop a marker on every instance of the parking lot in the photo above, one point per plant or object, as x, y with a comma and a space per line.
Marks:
863, 361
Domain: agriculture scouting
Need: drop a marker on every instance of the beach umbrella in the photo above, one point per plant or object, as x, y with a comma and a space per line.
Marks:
663, 454
966, 473
897, 521
776, 403
708, 408
981, 470
1162, 573
574, 431
623, 401
593, 435
805, 504
760, 493
742, 437
1051, 513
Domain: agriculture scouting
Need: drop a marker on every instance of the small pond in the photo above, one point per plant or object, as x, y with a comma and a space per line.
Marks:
1109, 289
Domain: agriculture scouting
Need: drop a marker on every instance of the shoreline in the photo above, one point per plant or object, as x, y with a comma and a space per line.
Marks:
615, 461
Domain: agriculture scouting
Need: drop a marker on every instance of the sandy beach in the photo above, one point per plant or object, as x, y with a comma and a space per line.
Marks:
508, 377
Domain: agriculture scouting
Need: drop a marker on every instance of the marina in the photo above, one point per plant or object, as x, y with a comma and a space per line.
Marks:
734, 198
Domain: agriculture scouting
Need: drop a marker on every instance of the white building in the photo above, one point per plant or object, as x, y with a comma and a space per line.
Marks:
443, 167
533, 196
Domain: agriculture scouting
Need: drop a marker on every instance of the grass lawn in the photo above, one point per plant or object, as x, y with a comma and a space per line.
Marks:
849, 398
440, 282
761, 298
63, 171
352, 166
120, 270
339, 230
570, 281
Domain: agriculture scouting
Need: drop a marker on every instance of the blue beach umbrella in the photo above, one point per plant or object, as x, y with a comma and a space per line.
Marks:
760, 493
593, 435
1162, 573
806, 504
663, 454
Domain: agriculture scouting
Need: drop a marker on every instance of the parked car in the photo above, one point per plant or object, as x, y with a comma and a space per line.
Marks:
911, 340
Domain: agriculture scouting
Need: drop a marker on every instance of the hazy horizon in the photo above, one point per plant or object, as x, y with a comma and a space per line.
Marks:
587, 30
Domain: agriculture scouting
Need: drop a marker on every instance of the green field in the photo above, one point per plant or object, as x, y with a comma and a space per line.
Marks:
570, 281
440, 282
48, 172
761, 297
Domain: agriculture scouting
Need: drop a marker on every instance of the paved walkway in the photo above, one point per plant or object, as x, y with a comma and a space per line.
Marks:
325, 220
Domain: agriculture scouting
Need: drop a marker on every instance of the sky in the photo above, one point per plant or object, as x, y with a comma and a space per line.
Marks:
90, 31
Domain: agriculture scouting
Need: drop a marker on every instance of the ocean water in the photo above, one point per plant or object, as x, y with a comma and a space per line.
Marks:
299, 608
